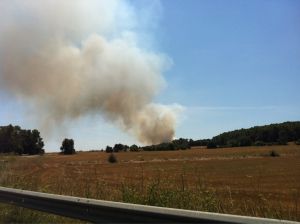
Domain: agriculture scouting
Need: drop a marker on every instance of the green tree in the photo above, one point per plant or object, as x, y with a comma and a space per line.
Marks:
19, 141
245, 141
67, 147
134, 148
282, 137
118, 147
109, 149
211, 145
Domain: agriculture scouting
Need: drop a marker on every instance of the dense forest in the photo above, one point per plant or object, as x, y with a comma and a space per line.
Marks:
260, 135
13, 139
174, 145
257, 136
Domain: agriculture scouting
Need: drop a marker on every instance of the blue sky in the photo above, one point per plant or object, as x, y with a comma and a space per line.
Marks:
236, 64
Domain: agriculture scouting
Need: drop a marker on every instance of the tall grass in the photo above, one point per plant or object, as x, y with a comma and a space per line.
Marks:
175, 192
13, 214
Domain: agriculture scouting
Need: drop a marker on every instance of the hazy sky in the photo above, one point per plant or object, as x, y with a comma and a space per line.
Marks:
235, 64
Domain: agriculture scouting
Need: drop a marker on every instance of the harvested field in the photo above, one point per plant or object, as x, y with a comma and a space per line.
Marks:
246, 181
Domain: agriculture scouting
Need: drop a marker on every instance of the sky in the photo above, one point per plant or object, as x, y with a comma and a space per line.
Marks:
234, 64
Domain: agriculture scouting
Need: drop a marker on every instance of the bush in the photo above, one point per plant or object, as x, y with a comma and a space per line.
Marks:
211, 145
109, 149
245, 141
233, 143
259, 143
67, 146
13, 139
134, 148
273, 153
112, 158
282, 142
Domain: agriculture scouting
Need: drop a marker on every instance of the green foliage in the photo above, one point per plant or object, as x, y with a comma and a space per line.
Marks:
268, 134
67, 147
16, 140
259, 143
109, 149
233, 143
258, 136
164, 194
134, 148
211, 145
177, 144
112, 158
282, 137
181, 143
13, 214
117, 148
201, 142
245, 141
120, 147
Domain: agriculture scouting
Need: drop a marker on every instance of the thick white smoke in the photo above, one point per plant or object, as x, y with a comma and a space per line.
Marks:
74, 58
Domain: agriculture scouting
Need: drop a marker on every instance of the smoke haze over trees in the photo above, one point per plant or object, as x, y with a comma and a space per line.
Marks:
92, 47
255, 136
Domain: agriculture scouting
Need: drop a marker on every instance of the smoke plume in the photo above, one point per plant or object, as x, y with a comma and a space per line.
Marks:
75, 58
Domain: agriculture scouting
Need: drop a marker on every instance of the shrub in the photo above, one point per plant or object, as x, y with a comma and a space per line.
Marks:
273, 153
245, 141
259, 143
134, 148
211, 145
233, 143
112, 158
109, 149
67, 146
282, 142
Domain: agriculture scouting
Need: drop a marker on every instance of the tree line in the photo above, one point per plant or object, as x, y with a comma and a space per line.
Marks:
255, 136
167, 146
260, 135
13, 139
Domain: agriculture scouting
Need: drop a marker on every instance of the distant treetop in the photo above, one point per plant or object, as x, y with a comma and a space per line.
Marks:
67, 146
13, 139
259, 135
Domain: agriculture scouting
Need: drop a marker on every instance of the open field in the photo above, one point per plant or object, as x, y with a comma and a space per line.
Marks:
245, 181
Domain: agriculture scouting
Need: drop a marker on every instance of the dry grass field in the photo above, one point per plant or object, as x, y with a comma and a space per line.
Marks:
245, 181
